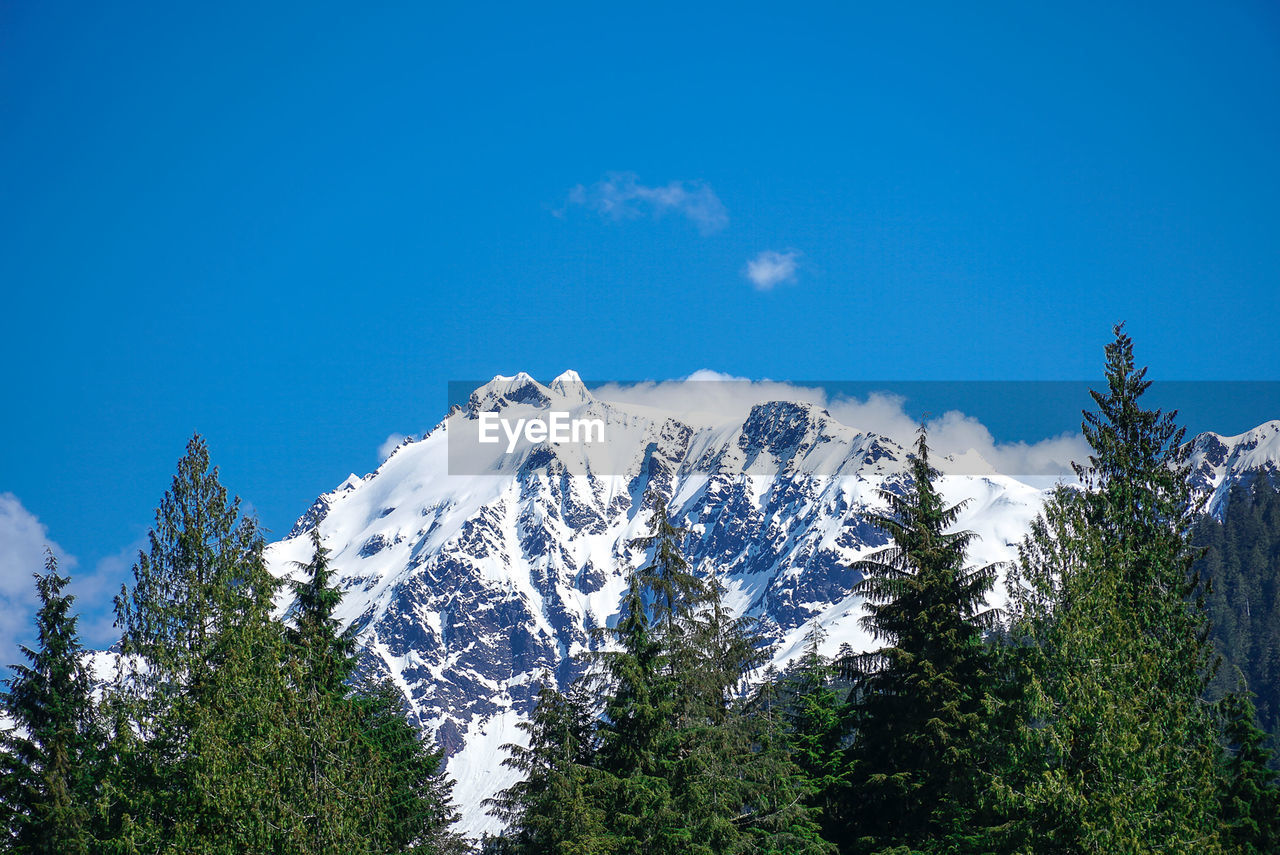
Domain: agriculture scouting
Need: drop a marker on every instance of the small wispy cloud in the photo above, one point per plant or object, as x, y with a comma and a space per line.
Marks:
770, 268
390, 444
621, 196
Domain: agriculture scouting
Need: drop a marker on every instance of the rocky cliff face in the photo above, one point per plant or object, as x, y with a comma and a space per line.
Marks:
1218, 462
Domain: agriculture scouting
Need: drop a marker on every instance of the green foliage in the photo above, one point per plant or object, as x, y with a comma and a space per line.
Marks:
198, 676
1087, 723
1242, 564
917, 704
1250, 796
48, 760
1116, 749
811, 704
408, 793
559, 806
658, 751
233, 732
675, 591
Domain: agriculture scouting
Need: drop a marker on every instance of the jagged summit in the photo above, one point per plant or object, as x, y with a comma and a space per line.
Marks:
503, 391
1218, 462
566, 391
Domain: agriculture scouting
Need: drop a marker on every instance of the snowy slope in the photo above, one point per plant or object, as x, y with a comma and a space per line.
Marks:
468, 587
1218, 462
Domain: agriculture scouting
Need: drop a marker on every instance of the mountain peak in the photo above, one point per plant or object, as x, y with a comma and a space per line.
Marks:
503, 391
1217, 462
570, 386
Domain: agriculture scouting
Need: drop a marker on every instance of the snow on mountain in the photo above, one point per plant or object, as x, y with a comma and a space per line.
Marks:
471, 572
1218, 462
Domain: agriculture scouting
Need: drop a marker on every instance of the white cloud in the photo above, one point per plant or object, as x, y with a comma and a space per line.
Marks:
711, 398
95, 593
23, 540
621, 196
771, 268
390, 444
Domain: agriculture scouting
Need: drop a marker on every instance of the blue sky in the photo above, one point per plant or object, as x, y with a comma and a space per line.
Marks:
288, 226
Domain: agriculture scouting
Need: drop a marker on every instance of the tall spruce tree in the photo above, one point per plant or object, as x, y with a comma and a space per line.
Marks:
200, 654
236, 733
559, 807
734, 779
410, 792
673, 588
1117, 747
355, 776
1242, 564
916, 706
48, 760
702, 776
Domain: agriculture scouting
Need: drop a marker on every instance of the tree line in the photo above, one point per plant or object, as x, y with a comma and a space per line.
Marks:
1093, 714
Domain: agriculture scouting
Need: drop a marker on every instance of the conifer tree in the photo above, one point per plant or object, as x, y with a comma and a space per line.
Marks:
355, 775
233, 732
639, 704
1118, 749
559, 806
917, 704
200, 654
1250, 789
815, 728
48, 759
674, 764
1242, 563
671, 583
734, 780
325, 655
410, 793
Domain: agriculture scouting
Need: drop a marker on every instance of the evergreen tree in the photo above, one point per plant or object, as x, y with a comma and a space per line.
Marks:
355, 775
203, 568
637, 732
638, 705
409, 792
235, 733
48, 759
1242, 564
670, 582
559, 806
813, 714
701, 774
325, 655
917, 704
200, 676
675, 763
1250, 789
1117, 750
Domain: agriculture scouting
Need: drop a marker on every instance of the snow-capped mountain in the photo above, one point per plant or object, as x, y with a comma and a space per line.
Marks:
472, 570
1218, 462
